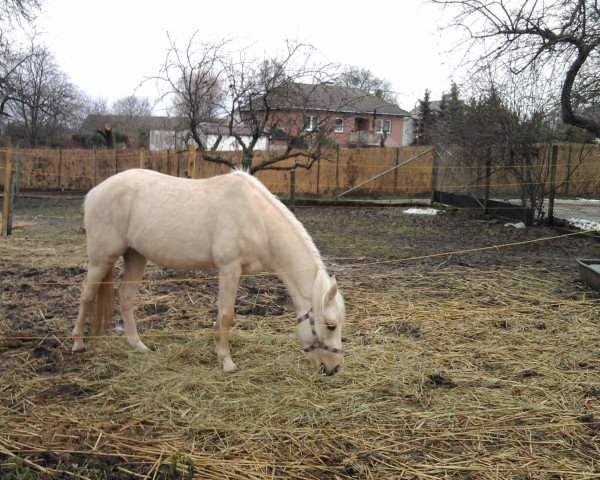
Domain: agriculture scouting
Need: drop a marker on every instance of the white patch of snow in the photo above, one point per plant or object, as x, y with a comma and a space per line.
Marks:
562, 201
421, 211
516, 225
584, 224
577, 201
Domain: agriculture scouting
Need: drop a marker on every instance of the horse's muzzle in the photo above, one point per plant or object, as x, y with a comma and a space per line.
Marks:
331, 371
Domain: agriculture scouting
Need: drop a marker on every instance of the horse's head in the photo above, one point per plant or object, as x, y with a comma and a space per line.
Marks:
320, 329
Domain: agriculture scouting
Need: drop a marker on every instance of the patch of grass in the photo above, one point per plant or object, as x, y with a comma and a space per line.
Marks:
19, 471
56, 207
358, 246
181, 466
50, 236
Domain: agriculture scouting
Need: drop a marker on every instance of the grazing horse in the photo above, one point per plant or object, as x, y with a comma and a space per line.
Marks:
230, 222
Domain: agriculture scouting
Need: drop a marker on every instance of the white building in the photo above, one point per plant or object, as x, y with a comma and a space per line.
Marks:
210, 133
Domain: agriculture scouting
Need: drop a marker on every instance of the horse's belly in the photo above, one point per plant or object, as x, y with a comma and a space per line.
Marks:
180, 262
174, 254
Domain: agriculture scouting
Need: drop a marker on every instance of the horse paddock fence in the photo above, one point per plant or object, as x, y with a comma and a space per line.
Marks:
560, 181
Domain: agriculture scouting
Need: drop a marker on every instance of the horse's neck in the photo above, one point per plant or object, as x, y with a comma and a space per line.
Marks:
297, 267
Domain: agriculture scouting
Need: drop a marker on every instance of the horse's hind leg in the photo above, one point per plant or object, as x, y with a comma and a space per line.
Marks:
229, 280
135, 264
96, 274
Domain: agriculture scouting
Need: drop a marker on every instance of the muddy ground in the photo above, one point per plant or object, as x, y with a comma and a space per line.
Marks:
449, 296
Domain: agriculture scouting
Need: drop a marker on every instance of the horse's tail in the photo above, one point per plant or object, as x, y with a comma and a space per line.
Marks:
105, 297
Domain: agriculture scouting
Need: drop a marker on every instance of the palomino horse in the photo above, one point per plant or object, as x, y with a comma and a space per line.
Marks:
230, 222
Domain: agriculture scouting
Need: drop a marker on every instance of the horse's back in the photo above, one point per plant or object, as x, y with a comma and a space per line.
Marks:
177, 222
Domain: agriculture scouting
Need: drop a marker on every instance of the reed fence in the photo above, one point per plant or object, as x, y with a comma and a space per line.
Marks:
555, 175
337, 170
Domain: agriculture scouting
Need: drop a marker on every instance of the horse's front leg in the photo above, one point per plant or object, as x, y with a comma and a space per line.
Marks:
229, 280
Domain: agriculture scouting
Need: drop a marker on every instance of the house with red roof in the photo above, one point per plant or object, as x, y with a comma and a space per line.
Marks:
348, 116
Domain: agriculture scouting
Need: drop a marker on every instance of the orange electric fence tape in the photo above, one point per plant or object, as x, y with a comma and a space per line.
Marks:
199, 331
348, 266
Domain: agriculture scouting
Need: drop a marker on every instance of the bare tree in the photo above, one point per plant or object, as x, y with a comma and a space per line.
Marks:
132, 112
43, 102
18, 10
259, 91
366, 81
552, 39
11, 55
243, 96
132, 106
95, 106
502, 134
10, 60
191, 78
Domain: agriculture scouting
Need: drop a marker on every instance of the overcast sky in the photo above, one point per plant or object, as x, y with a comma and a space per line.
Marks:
108, 47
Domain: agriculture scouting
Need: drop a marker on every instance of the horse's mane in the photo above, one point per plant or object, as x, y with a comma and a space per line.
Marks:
320, 289
289, 216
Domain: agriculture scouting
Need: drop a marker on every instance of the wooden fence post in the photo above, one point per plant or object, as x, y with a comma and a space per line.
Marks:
93, 166
59, 167
337, 173
142, 157
488, 175
568, 177
191, 162
292, 188
318, 174
17, 169
7, 194
434, 174
396, 171
553, 161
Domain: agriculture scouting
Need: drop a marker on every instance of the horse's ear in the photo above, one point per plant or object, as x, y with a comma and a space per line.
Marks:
333, 288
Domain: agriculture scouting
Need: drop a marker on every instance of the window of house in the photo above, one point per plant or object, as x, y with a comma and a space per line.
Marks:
311, 123
339, 125
384, 126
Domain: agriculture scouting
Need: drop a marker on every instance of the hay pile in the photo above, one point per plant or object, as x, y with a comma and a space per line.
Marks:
454, 368
451, 372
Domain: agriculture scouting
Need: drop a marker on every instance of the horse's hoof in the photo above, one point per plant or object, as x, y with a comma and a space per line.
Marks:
139, 346
229, 366
78, 346
78, 349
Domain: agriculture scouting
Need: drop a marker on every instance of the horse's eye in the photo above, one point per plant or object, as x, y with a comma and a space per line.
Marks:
331, 327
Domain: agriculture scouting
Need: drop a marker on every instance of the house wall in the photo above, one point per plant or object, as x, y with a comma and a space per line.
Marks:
293, 122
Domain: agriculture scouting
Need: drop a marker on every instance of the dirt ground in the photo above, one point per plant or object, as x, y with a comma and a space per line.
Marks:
473, 352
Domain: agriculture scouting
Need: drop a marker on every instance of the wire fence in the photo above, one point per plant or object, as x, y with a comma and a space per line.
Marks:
555, 181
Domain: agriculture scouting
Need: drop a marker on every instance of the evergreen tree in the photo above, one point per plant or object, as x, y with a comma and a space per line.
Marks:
453, 115
455, 104
425, 121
